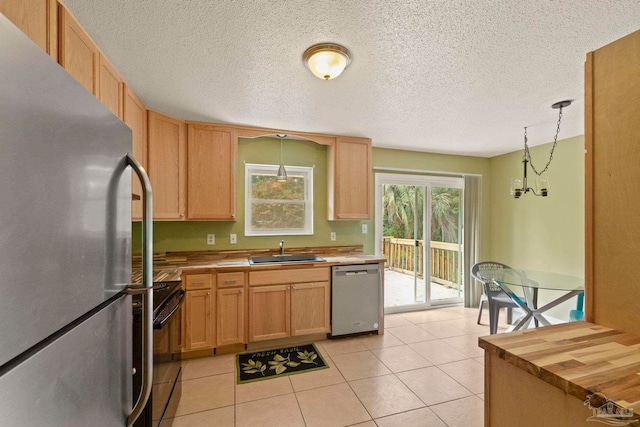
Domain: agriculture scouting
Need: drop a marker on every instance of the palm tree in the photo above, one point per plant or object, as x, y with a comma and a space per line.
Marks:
402, 205
445, 210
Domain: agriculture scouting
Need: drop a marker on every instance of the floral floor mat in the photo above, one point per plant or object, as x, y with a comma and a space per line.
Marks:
265, 364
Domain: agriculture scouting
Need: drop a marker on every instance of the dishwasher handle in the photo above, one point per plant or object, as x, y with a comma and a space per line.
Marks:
355, 270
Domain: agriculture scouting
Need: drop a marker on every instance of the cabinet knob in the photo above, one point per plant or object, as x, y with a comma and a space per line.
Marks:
240, 292
181, 215
208, 293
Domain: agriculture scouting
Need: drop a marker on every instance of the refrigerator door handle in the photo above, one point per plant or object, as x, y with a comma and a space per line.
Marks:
147, 284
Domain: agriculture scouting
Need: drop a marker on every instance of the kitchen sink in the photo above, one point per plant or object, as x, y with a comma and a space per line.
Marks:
281, 259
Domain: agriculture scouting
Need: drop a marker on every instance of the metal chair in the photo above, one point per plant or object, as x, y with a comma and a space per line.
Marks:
493, 294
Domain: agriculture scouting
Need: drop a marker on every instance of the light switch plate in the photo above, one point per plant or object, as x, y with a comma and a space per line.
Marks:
211, 239
333, 236
233, 239
365, 229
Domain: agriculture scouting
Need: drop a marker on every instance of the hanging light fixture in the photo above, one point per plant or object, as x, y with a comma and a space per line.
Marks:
282, 172
520, 186
327, 60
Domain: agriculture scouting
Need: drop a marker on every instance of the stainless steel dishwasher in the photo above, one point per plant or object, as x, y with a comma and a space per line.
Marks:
355, 299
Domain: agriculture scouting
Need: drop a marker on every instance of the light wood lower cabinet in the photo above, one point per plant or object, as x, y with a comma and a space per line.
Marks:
199, 309
310, 304
199, 320
280, 311
221, 309
230, 316
269, 312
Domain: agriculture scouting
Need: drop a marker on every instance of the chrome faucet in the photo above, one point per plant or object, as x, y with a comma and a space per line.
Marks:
282, 247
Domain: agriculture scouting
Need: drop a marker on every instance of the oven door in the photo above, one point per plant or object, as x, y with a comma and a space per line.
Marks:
167, 387
166, 390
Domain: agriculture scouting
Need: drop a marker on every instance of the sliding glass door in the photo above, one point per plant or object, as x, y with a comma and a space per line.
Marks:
419, 272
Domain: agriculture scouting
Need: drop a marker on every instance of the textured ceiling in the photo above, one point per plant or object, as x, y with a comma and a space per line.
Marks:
444, 76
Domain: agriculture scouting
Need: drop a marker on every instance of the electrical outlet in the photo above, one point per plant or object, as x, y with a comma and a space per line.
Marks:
365, 229
333, 236
233, 239
211, 239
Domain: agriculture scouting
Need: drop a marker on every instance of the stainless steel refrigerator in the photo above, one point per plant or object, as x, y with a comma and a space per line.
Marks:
65, 243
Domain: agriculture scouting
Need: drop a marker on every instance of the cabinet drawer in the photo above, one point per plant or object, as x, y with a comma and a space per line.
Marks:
294, 275
198, 281
230, 280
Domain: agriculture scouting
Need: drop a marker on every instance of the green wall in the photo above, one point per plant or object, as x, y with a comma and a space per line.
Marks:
541, 233
420, 161
532, 232
176, 236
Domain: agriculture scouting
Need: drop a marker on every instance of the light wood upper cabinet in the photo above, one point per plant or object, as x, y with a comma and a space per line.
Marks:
110, 87
166, 165
349, 175
38, 19
135, 116
77, 53
211, 166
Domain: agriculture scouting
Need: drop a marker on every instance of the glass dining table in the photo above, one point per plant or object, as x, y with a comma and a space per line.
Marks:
531, 281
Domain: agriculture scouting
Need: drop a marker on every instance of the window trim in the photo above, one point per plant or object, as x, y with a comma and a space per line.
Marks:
306, 171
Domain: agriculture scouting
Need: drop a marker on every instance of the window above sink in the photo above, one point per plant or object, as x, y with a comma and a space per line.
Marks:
274, 208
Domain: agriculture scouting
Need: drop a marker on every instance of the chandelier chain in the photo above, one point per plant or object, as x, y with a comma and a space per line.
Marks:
527, 154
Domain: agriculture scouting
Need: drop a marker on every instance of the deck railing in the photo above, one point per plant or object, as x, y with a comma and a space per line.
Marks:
445, 259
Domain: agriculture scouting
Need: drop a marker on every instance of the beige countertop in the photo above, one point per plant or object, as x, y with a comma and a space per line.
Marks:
166, 270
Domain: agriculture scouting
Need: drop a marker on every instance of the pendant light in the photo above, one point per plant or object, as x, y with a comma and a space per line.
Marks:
520, 186
282, 172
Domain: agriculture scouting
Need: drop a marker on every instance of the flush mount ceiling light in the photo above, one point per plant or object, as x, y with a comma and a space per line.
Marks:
327, 60
520, 186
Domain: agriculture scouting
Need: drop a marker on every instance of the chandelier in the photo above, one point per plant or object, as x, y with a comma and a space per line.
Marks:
520, 186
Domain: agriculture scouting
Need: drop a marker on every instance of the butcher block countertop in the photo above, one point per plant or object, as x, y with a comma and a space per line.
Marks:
169, 266
579, 358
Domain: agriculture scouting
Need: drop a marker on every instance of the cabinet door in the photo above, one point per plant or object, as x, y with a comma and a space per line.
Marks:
38, 19
110, 87
135, 116
78, 54
310, 304
230, 316
198, 320
350, 179
166, 165
270, 312
211, 169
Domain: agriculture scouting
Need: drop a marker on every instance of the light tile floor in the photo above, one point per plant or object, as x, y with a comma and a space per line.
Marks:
426, 370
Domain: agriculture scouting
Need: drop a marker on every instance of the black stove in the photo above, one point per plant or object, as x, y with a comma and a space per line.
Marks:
167, 300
